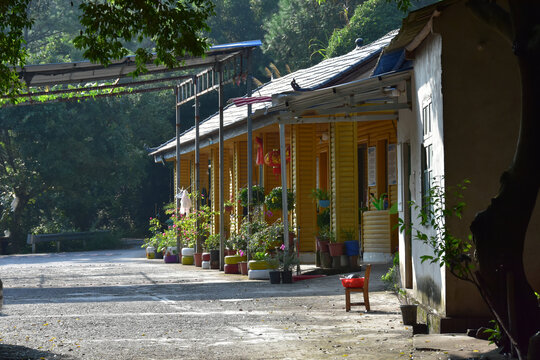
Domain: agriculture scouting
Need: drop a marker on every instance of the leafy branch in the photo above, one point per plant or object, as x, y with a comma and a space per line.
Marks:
439, 206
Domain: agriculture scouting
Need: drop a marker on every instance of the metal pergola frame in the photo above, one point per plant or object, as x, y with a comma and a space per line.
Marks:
216, 58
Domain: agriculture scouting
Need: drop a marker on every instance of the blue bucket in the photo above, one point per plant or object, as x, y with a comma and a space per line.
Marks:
352, 248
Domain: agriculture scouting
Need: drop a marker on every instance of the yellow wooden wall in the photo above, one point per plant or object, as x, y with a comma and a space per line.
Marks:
271, 142
344, 177
379, 134
215, 187
185, 166
240, 171
304, 180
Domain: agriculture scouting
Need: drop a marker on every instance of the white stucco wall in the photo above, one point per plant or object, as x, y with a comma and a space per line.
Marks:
428, 279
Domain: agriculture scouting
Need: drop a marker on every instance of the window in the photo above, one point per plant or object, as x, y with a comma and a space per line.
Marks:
427, 156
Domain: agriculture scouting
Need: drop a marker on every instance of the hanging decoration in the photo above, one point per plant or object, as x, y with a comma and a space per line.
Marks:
260, 153
273, 159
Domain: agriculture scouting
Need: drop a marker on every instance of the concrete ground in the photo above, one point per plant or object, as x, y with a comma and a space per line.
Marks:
119, 305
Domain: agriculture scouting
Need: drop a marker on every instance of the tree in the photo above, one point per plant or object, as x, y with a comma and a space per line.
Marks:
173, 26
370, 21
298, 29
82, 166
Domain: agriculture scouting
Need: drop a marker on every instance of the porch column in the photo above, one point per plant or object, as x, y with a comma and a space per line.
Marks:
177, 168
304, 153
344, 177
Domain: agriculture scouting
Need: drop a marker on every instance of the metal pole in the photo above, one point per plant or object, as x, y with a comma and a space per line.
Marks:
249, 138
177, 192
283, 157
221, 177
198, 243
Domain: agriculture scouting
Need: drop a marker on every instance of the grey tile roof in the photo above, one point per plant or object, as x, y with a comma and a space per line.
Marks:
311, 78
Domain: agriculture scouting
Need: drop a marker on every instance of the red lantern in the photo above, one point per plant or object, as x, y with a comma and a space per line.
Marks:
273, 159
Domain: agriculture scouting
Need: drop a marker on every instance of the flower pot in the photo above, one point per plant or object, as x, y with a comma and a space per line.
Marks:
214, 259
336, 249
170, 259
258, 274
326, 260
150, 252
197, 257
205, 256
324, 203
231, 269
258, 265
275, 277
408, 313
187, 260
243, 267
322, 245
286, 277
171, 255
352, 248
205, 264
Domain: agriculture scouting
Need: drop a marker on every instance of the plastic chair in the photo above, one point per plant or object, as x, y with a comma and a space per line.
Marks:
364, 290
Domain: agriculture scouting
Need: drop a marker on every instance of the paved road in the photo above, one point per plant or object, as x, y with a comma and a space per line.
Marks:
119, 305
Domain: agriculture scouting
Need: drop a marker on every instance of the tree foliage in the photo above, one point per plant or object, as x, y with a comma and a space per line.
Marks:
371, 20
173, 26
301, 27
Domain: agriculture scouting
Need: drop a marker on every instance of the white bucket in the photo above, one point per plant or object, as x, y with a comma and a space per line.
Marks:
259, 274
188, 251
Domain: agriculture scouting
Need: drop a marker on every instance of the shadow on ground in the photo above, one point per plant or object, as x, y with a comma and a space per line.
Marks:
16, 352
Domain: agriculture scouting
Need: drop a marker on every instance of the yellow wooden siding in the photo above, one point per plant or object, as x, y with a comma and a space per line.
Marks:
344, 177
379, 134
203, 172
215, 187
304, 180
227, 163
271, 142
240, 171
231, 191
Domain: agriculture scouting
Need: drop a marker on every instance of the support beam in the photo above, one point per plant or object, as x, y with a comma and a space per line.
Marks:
283, 155
177, 187
196, 188
221, 175
249, 141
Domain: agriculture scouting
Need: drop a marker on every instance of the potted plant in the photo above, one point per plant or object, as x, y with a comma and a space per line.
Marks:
408, 310
243, 265
212, 246
258, 261
335, 248
379, 229
287, 260
257, 196
228, 205
273, 200
321, 196
273, 264
352, 246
